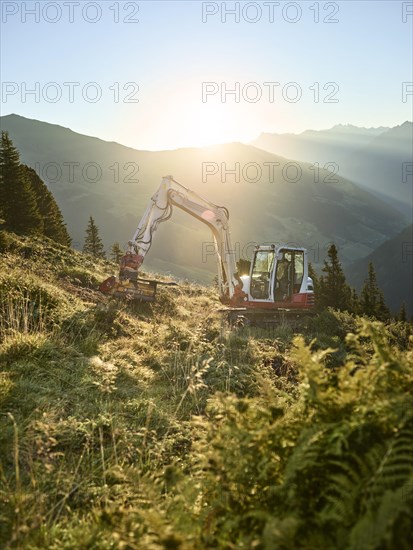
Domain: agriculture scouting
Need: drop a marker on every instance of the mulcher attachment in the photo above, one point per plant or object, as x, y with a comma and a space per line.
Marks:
129, 285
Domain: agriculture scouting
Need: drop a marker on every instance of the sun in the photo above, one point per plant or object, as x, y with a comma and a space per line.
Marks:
199, 123
204, 125
215, 124
186, 121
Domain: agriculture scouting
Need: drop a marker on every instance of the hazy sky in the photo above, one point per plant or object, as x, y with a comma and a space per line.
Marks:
298, 65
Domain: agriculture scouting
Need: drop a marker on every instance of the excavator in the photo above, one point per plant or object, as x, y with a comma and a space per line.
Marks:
278, 280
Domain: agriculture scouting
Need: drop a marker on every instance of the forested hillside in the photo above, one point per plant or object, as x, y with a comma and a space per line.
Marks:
26, 204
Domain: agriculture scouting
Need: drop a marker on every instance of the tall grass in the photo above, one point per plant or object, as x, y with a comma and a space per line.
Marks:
161, 427
20, 315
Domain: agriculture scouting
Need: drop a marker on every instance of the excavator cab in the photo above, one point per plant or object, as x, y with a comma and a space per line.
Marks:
279, 278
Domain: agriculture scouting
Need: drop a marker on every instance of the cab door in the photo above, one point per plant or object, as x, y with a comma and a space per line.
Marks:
261, 275
289, 274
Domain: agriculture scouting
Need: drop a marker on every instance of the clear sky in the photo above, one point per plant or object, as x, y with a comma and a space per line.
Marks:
323, 63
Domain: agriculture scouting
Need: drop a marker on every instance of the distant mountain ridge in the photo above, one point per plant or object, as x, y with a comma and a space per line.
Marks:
357, 132
375, 158
114, 183
351, 128
304, 143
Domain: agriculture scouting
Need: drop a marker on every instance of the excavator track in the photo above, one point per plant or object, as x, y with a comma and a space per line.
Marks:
266, 318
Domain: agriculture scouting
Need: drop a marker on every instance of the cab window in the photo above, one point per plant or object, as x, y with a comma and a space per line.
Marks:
261, 274
289, 274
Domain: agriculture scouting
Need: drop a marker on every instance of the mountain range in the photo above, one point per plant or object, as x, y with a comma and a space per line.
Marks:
271, 198
378, 159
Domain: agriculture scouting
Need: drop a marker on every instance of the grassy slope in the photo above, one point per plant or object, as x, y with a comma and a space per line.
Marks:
158, 427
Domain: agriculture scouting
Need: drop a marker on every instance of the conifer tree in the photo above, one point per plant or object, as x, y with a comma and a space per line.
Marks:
372, 299
354, 302
17, 200
402, 316
116, 252
93, 243
333, 290
383, 313
54, 226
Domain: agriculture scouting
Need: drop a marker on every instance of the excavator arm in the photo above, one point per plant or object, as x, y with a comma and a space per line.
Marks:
169, 194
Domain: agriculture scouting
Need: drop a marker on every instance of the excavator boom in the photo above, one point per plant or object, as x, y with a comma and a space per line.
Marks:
169, 194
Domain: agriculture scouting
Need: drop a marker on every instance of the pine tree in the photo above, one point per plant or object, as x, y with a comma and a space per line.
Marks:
383, 312
402, 316
116, 252
93, 243
371, 298
17, 200
354, 302
54, 226
333, 290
